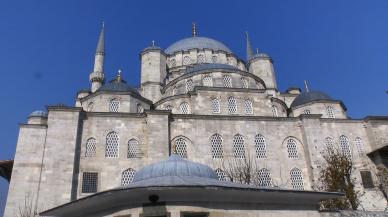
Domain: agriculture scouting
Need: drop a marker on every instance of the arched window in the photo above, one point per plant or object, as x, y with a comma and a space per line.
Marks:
330, 112
214, 59
181, 147
264, 178
221, 174
227, 81
344, 146
90, 149
114, 105
200, 59
216, 144
207, 81
329, 142
244, 82
172, 62
186, 60
275, 111
184, 107
139, 108
127, 176
189, 85
112, 145
90, 107
216, 106
168, 107
292, 149
238, 146
248, 107
360, 146
261, 147
296, 179
232, 105
307, 111
133, 149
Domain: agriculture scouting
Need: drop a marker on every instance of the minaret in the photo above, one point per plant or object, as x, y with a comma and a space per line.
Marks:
249, 47
97, 76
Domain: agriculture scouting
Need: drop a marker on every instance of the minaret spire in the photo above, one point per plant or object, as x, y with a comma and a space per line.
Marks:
194, 29
249, 47
97, 76
306, 86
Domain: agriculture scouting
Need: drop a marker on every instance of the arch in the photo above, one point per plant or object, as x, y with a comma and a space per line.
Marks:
329, 142
260, 146
292, 149
216, 146
180, 145
344, 146
232, 105
127, 176
189, 85
200, 58
133, 150
112, 145
207, 81
168, 107
184, 108
307, 111
274, 109
216, 106
90, 147
186, 60
264, 178
114, 105
330, 111
244, 83
227, 80
238, 146
248, 107
360, 146
296, 177
139, 108
221, 174
90, 107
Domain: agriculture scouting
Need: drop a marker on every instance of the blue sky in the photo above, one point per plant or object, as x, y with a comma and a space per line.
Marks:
47, 47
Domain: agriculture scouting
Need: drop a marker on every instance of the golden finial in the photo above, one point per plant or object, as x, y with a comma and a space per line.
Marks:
306, 86
194, 29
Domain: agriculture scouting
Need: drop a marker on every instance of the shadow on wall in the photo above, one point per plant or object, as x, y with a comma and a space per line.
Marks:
3, 194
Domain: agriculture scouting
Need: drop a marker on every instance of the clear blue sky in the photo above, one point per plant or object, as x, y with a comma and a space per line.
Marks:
47, 47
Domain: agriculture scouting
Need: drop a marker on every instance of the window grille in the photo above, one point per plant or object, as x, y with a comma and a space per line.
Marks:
366, 178
140, 108
307, 111
216, 106
248, 107
232, 107
90, 107
275, 111
291, 149
184, 107
260, 86
344, 146
186, 60
189, 85
214, 59
216, 144
330, 112
133, 149
90, 150
261, 147
244, 83
114, 105
112, 145
200, 59
181, 147
297, 179
127, 176
221, 174
207, 81
329, 142
227, 81
89, 182
238, 146
360, 146
264, 178
168, 107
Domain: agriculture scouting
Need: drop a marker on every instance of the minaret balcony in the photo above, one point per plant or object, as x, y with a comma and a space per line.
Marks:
96, 76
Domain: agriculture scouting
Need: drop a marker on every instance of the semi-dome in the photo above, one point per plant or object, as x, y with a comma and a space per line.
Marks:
198, 43
175, 166
310, 96
38, 113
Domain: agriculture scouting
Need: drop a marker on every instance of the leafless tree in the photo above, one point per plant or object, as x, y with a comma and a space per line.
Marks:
382, 178
27, 207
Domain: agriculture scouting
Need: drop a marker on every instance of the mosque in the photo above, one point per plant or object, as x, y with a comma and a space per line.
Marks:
160, 149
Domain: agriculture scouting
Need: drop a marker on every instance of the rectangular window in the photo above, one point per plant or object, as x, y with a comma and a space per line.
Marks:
367, 180
89, 182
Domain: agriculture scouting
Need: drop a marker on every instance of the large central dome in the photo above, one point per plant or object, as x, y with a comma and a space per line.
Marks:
196, 43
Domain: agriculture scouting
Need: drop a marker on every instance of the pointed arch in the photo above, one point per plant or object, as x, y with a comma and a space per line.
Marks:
260, 146
264, 178
90, 148
127, 176
216, 146
112, 145
238, 146
296, 177
133, 150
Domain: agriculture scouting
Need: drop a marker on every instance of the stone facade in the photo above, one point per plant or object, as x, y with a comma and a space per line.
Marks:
52, 155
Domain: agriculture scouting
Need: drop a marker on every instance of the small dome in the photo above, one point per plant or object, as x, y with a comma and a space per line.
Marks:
175, 166
38, 113
118, 85
310, 96
196, 42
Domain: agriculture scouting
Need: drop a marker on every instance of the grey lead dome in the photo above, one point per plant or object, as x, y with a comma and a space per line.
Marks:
38, 113
175, 166
198, 43
310, 96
